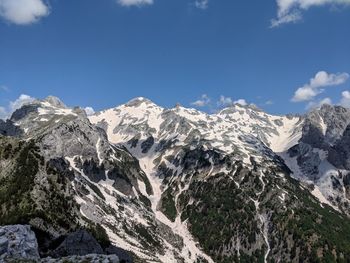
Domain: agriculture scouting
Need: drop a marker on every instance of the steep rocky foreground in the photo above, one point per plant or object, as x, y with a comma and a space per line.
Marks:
18, 243
179, 185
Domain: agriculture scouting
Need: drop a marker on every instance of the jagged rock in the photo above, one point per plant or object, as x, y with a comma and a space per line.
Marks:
95, 172
55, 101
18, 242
121, 253
7, 128
24, 111
92, 258
339, 154
147, 144
221, 179
79, 243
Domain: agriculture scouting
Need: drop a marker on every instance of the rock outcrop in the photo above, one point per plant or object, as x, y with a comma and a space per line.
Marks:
79, 243
18, 242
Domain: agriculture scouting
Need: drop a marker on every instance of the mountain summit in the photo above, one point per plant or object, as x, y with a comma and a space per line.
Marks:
267, 188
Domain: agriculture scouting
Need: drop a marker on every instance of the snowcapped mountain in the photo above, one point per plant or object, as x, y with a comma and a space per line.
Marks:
241, 128
180, 185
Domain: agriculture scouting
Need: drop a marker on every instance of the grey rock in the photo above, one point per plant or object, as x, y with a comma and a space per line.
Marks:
121, 253
18, 242
91, 258
54, 101
79, 243
24, 111
95, 172
339, 154
147, 144
3, 245
7, 128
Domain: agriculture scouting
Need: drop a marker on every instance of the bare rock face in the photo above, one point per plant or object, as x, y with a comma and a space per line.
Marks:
7, 128
79, 243
92, 258
148, 179
339, 154
18, 242
55, 102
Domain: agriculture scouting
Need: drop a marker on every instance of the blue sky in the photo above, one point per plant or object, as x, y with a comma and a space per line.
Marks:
101, 53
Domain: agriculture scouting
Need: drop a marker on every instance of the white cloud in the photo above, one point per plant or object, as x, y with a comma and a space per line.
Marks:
241, 102
18, 103
317, 104
227, 101
345, 100
4, 88
201, 4
285, 19
269, 102
321, 80
290, 11
223, 102
202, 102
23, 12
89, 111
23, 99
135, 2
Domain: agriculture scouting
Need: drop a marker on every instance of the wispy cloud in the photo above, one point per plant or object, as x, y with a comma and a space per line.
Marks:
317, 84
228, 101
225, 101
319, 103
344, 101
216, 104
242, 102
290, 11
4, 88
19, 102
202, 102
201, 4
135, 2
23, 12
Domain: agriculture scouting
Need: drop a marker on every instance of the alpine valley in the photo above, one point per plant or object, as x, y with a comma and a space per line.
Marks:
180, 185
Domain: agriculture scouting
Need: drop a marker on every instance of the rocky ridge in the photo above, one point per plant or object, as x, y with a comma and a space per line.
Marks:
152, 177
18, 243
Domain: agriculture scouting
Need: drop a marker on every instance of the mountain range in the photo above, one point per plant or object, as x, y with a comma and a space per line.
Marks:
181, 185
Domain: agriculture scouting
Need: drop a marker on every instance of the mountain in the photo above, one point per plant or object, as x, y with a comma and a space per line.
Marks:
180, 185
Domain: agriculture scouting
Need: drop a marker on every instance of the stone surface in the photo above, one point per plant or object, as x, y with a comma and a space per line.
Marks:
91, 258
79, 243
18, 242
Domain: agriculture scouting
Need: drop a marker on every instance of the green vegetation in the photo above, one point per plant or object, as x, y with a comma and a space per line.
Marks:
225, 212
22, 198
99, 233
299, 228
16, 184
147, 238
168, 205
320, 234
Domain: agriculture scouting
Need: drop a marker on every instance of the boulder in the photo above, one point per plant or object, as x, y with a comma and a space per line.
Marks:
18, 242
79, 243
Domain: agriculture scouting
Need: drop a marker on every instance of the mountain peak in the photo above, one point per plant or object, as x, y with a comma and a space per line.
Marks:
138, 101
55, 101
251, 106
